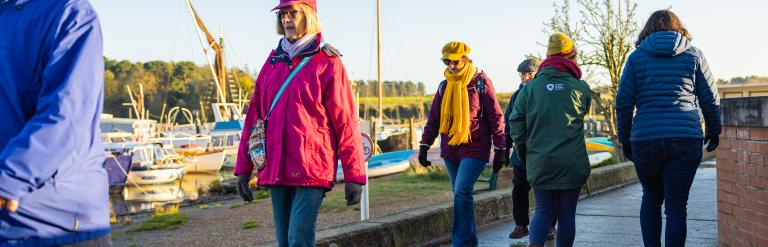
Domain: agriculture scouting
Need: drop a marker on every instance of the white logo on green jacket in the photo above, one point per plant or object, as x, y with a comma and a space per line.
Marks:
555, 87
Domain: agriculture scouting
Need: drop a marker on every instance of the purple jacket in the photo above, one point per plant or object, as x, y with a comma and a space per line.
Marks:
486, 117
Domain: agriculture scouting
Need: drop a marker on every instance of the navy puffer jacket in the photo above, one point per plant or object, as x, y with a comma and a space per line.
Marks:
668, 81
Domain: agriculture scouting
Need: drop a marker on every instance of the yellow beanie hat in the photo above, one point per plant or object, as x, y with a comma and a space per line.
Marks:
455, 50
559, 43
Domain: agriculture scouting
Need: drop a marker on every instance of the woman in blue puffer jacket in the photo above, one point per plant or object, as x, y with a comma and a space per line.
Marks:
666, 82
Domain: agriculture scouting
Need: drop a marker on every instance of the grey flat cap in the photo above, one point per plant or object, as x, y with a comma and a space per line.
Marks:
529, 65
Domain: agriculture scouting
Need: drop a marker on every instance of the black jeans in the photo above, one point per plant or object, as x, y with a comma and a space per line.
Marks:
520, 204
665, 168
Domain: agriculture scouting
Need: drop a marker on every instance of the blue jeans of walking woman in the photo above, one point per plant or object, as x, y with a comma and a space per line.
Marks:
550, 204
294, 210
463, 175
665, 168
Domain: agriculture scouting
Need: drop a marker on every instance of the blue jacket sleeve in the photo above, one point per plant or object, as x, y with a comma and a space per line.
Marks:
507, 113
626, 99
706, 94
518, 127
70, 94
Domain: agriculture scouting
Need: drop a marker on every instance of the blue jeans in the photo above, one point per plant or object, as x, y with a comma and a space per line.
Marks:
665, 168
295, 214
549, 203
463, 174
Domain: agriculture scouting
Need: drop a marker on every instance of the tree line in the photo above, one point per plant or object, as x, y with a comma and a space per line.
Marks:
369, 88
172, 84
744, 80
186, 84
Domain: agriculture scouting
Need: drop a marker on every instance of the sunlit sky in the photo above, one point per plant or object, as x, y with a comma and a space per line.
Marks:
732, 33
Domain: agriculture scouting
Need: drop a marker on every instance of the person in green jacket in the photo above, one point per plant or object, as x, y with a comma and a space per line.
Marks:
547, 127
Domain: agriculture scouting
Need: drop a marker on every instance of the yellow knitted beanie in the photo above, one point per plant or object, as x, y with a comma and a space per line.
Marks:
559, 43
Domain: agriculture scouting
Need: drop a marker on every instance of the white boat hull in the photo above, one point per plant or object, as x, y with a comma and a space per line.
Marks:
207, 162
597, 158
389, 168
154, 176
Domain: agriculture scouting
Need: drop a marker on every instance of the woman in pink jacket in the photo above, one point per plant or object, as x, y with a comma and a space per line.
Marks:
311, 124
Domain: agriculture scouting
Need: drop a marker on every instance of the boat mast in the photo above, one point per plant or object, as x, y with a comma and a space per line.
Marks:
217, 66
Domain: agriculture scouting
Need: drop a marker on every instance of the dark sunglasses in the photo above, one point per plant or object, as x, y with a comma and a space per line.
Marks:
451, 62
291, 13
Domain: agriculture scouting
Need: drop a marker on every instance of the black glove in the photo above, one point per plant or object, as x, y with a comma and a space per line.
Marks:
243, 189
423, 149
498, 159
506, 155
331, 51
627, 149
352, 193
713, 141
521, 152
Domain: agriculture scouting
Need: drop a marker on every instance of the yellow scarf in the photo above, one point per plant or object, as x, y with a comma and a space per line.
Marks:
454, 111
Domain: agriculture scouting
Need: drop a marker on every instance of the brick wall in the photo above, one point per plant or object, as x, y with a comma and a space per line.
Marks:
742, 174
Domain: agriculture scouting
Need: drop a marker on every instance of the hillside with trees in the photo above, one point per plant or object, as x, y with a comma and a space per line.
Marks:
182, 84
186, 84
743, 80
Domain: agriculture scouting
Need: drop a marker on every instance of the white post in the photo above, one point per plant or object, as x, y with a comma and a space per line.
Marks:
378, 60
364, 205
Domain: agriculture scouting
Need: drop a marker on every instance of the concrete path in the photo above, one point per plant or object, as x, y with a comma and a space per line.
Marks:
612, 219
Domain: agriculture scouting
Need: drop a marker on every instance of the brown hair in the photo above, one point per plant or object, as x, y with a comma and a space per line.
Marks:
662, 20
311, 20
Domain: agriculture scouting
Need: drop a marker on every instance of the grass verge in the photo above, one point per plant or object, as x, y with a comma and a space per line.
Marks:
164, 219
400, 189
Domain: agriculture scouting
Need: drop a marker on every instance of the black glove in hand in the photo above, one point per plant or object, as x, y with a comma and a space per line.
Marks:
498, 159
423, 156
713, 141
352, 193
506, 157
626, 148
243, 189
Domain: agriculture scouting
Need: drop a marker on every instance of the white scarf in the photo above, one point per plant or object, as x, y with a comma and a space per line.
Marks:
297, 46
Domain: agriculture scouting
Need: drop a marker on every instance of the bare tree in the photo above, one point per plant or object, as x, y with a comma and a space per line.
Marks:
604, 33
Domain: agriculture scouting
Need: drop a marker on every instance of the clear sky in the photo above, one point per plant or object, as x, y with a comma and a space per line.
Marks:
733, 34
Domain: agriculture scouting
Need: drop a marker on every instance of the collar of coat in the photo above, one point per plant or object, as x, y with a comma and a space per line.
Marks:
279, 55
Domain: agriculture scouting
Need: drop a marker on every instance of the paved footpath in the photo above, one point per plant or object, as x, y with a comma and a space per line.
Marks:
612, 219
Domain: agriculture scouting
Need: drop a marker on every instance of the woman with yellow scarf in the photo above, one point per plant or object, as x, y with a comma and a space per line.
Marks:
468, 119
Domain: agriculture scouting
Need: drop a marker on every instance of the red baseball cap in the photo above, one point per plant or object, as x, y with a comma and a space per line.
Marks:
285, 3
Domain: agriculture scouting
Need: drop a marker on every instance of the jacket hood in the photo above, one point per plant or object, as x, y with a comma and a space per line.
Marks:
553, 73
665, 44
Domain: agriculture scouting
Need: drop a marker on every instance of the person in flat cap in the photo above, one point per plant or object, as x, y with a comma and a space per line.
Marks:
300, 122
468, 119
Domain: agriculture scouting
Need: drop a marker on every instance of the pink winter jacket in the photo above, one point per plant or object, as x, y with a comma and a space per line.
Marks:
312, 126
